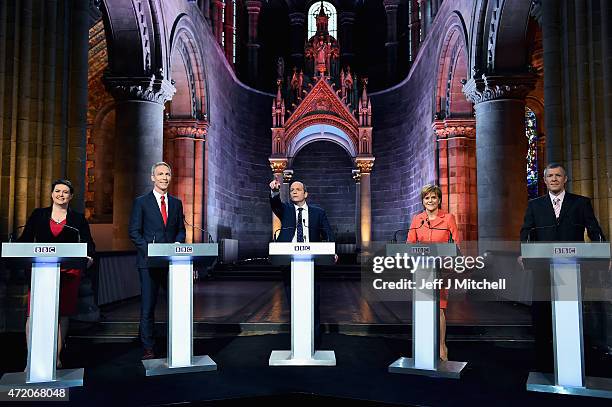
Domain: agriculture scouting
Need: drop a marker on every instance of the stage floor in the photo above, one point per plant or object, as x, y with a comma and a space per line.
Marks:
495, 375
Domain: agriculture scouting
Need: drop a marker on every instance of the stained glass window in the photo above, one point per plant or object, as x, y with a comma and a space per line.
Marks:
330, 10
531, 132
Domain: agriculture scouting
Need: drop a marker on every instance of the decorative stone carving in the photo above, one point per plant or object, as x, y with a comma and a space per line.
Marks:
155, 89
278, 165
488, 88
365, 165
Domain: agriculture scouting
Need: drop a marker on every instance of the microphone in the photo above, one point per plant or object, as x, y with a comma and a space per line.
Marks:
450, 234
539, 227
153, 242
407, 230
275, 235
210, 240
70, 227
10, 236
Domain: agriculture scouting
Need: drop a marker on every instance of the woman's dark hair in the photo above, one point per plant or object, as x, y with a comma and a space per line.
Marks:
62, 182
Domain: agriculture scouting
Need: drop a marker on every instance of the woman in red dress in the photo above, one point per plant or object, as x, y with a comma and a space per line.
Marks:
59, 224
433, 226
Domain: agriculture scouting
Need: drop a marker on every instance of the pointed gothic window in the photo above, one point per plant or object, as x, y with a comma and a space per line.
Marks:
330, 10
531, 132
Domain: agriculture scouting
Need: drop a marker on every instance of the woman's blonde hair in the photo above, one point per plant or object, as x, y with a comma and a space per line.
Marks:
429, 188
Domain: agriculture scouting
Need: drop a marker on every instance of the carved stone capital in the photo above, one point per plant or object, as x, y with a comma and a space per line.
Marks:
488, 88
449, 128
253, 6
278, 165
186, 128
365, 165
155, 89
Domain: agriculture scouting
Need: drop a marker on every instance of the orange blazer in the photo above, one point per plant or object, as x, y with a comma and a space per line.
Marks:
427, 234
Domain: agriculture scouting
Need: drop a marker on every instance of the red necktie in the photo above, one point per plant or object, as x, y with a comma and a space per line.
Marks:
163, 210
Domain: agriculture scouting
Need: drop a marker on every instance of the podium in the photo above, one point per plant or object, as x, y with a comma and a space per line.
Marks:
425, 358
566, 297
179, 258
302, 257
45, 259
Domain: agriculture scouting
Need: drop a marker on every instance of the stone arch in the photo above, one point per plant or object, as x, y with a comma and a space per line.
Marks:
186, 124
186, 60
320, 132
130, 27
103, 140
499, 25
454, 128
452, 69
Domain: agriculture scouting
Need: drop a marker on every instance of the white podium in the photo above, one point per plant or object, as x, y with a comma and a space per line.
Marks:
179, 258
566, 298
425, 358
45, 259
302, 257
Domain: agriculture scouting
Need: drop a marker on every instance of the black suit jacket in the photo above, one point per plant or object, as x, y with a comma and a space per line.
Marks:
576, 214
37, 229
147, 225
318, 225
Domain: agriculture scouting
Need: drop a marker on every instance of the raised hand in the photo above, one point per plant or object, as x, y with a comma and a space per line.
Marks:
275, 185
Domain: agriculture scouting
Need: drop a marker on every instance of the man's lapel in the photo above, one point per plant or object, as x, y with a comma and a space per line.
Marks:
568, 202
153, 203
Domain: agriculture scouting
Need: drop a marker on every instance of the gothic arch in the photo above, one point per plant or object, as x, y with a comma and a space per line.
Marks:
499, 25
452, 68
129, 27
186, 63
320, 132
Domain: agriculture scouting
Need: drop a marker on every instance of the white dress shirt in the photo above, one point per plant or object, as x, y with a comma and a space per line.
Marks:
304, 222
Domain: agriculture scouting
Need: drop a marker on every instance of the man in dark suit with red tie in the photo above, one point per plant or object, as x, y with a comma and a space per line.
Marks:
157, 217
558, 216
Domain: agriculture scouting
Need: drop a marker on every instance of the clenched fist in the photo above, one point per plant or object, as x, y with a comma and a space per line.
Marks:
275, 185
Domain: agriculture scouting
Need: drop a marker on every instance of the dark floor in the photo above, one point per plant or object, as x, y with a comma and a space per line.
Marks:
495, 375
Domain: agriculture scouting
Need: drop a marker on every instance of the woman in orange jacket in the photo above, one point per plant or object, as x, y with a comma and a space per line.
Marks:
433, 225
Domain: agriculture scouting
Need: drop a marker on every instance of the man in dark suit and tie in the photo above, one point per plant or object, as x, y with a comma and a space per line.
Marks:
157, 217
558, 216
300, 222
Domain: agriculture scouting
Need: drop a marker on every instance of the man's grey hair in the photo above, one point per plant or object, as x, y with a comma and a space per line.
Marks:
158, 164
554, 165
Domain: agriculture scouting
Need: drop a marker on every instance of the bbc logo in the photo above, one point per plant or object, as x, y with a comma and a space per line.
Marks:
44, 249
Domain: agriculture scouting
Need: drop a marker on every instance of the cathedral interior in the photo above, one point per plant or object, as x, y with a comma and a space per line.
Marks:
364, 101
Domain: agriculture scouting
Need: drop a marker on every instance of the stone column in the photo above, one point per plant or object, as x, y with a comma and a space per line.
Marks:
184, 141
414, 29
391, 45
297, 29
365, 166
501, 147
139, 143
77, 108
347, 22
425, 17
217, 20
456, 141
357, 178
278, 165
253, 8
228, 30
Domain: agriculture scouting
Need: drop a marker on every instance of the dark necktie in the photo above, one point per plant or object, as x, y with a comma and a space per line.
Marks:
300, 226
163, 210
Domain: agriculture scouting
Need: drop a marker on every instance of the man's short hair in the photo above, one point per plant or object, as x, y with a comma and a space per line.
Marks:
304, 185
158, 164
554, 165
429, 188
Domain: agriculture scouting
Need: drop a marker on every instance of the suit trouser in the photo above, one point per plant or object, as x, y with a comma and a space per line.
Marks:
151, 279
317, 300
